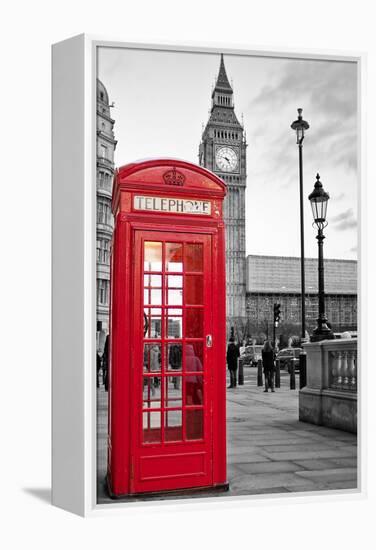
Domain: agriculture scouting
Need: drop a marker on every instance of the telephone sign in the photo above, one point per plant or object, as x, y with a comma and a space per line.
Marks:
168, 204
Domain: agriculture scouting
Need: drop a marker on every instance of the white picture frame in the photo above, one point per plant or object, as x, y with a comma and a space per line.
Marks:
74, 268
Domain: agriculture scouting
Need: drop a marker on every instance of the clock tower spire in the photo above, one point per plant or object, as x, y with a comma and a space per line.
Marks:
223, 150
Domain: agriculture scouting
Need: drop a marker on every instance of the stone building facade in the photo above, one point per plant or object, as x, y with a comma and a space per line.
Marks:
223, 151
276, 279
106, 144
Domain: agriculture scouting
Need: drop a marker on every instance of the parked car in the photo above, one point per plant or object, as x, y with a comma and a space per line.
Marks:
251, 355
288, 357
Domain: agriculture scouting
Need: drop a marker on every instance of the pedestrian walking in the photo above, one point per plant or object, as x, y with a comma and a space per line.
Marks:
99, 366
268, 364
105, 360
232, 361
175, 362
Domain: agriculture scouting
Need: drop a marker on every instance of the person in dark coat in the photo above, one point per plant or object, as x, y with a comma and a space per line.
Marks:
268, 364
105, 360
232, 361
99, 366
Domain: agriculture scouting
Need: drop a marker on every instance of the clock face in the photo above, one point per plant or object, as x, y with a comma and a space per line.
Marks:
226, 159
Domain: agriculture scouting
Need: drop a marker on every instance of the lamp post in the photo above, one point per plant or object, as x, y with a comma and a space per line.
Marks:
299, 126
319, 203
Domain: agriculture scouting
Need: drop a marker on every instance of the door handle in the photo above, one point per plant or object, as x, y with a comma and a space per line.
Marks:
209, 341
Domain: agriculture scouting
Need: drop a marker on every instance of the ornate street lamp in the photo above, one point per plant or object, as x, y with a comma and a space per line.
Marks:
299, 126
319, 203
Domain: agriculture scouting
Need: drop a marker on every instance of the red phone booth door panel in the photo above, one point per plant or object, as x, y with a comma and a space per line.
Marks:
172, 425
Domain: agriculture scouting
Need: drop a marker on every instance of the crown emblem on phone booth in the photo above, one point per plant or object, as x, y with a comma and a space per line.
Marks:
173, 177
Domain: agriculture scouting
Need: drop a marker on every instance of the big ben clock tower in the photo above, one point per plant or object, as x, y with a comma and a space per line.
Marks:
223, 150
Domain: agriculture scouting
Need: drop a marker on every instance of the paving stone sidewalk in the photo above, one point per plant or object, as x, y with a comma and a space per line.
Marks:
268, 449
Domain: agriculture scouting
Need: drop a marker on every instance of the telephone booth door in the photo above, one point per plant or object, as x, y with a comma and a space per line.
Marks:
171, 437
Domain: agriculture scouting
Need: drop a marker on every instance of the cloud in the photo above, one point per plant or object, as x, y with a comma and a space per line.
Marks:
327, 92
318, 81
338, 197
345, 220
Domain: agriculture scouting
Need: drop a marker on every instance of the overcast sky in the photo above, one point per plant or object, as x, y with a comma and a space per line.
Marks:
162, 99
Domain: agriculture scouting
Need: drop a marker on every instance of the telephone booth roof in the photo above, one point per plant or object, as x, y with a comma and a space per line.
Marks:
166, 175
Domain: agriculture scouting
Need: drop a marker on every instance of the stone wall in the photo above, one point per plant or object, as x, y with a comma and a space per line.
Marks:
330, 396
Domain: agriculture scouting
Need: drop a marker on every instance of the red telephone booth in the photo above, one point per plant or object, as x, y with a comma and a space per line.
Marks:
167, 385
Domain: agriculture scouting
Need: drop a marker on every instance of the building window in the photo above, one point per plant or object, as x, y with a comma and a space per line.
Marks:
103, 251
103, 151
100, 212
105, 257
103, 213
102, 292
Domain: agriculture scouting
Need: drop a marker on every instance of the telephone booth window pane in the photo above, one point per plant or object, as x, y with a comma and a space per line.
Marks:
153, 296
151, 422
174, 297
194, 424
173, 426
154, 322
193, 257
151, 394
194, 357
174, 328
173, 391
175, 312
174, 281
174, 357
152, 357
194, 323
152, 256
194, 390
153, 280
194, 290
174, 257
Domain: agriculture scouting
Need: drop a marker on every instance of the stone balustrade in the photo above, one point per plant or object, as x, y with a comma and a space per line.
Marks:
330, 396
343, 369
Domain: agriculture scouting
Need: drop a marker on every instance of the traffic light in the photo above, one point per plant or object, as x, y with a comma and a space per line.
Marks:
277, 313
